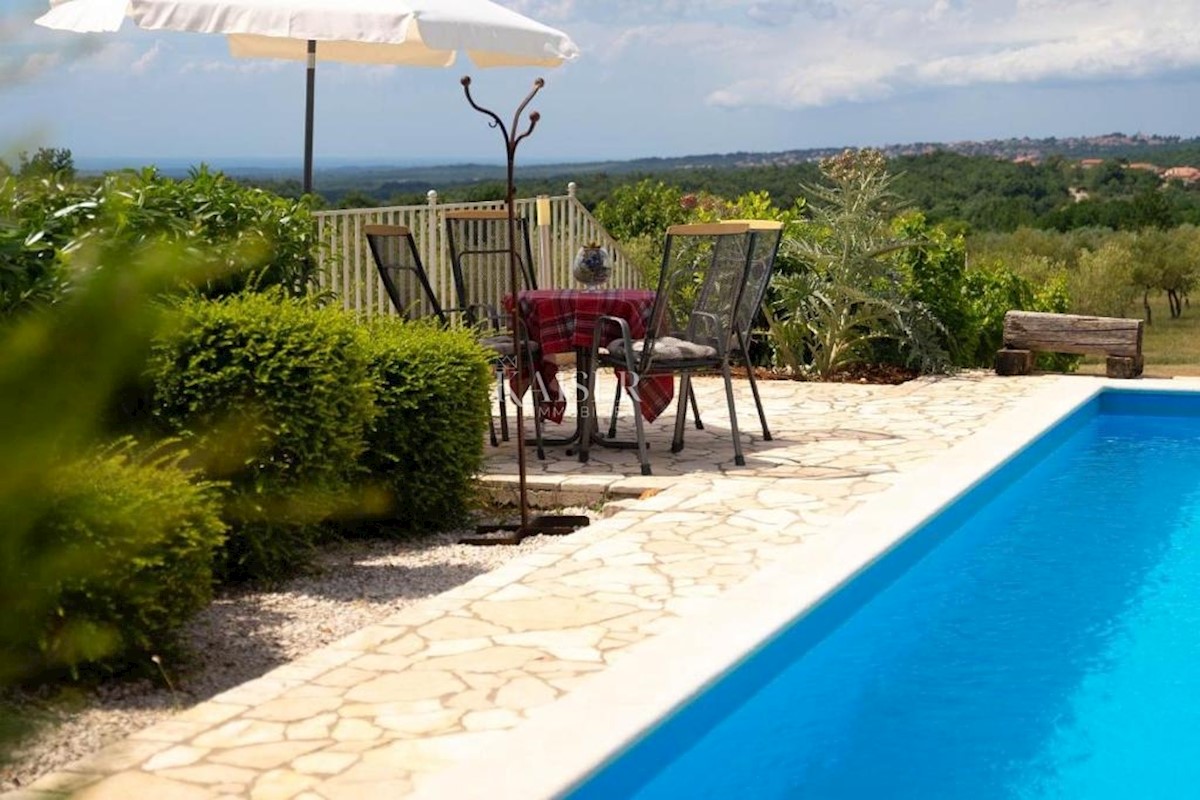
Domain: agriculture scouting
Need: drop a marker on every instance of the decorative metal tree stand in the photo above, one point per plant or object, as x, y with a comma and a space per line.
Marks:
549, 524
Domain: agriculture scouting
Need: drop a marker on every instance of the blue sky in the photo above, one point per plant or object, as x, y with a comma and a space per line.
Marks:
655, 79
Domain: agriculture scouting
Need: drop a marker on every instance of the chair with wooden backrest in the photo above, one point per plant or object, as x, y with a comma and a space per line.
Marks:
407, 286
766, 236
691, 325
765, 239
402, 273
478, 242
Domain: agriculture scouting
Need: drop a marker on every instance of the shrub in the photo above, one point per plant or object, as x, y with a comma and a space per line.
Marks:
133, 537
274, 394
645, 208
933, 269
995, 289
58, 369
850, 298
248, 237
425, 444
38, 219
645, 253
264, 240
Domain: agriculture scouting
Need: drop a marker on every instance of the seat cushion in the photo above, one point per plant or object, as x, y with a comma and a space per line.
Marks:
502, 345
666, 348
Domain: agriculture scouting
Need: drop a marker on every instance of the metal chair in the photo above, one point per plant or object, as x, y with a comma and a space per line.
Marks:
765, 238
407, 285
479, 259
478, 242
691, 326
764, 246
403, 275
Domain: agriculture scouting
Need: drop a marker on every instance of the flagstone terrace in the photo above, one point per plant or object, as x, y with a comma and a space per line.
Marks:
377, 713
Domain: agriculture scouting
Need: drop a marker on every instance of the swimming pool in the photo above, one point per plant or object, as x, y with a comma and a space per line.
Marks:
1038, 638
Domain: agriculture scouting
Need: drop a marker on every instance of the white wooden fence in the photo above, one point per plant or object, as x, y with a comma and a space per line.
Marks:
347, 271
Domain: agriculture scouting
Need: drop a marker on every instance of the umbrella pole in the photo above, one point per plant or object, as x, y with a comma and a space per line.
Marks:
309, 97
545, 524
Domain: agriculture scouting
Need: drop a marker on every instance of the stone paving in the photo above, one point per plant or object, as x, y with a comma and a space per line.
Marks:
373, 714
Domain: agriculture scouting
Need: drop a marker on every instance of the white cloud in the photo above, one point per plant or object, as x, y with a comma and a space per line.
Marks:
805, 53
146, 59
106, 53
36, 64
624, 13
235, 66
548, 11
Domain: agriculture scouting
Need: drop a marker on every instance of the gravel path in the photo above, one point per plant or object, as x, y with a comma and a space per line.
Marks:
244, 634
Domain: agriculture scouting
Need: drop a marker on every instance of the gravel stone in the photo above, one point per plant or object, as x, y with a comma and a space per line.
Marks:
244, 634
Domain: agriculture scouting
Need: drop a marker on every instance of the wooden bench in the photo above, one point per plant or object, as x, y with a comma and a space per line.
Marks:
1028, 332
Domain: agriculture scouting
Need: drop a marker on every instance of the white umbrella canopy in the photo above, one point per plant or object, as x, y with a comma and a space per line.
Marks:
407, 32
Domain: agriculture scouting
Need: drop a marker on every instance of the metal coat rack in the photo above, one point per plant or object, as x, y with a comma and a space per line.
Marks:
548, 524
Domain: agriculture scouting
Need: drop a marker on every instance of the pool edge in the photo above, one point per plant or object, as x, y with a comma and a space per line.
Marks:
572, 738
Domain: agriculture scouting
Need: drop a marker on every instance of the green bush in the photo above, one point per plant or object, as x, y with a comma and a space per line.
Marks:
645, 208
248, 237
274, 394
38, 218
645, 253
933, 269
425, 444
995, 289
262, 239
58, 370
147, 532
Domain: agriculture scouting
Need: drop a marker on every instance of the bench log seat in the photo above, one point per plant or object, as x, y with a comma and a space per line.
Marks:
1029, 332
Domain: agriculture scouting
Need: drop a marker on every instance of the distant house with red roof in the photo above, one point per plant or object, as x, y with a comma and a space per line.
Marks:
1185, 174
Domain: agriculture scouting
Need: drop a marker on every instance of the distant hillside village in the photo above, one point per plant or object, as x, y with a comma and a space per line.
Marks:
1035, 151
1185, 174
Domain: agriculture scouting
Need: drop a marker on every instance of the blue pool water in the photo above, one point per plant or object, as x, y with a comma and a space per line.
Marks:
1040, 638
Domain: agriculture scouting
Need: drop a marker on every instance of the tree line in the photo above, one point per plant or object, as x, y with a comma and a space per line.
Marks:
972, 194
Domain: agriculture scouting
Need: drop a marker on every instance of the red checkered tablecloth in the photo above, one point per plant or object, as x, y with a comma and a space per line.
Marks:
563, 321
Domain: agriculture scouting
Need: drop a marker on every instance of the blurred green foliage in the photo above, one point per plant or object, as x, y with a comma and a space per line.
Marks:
128, 538
59, 365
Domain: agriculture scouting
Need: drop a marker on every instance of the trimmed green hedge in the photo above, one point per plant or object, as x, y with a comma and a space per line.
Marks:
425, 445
133, 537
274, 394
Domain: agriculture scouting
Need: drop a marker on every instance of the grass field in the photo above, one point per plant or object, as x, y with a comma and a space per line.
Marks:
1171, 346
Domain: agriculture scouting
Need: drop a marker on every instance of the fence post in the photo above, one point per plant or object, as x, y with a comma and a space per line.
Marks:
432, 255
545, 261
573, 225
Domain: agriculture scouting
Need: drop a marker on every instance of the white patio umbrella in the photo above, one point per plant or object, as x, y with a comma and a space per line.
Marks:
427, 33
